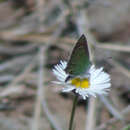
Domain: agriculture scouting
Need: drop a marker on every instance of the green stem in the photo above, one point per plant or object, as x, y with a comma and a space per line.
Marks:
73, 112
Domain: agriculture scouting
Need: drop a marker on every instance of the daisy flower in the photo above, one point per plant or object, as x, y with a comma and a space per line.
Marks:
96, 82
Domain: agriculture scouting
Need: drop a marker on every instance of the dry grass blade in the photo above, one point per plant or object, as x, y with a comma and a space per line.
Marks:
17, 50
12, 19
90, 116
40, 15
110, 107
18, 61
39, 96
19, 78
50, 117
122, 69
103, 126
120, 48
6, 78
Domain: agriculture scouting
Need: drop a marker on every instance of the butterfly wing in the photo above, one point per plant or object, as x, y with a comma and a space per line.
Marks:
79, 61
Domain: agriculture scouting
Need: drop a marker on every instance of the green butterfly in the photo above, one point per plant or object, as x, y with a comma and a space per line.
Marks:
79, 61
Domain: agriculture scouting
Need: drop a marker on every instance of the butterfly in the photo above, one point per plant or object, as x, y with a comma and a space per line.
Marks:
79, 61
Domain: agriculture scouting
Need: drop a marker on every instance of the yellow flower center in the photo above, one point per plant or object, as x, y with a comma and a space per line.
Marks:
80, 83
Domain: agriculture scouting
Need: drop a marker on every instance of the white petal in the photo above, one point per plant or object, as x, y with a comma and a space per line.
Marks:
56, 72
100, 81
95, 74
103, 76
84, 97
68, 89
59, 69
101, 86
57, 82
63, 63
59, 75
59, 72
92, 93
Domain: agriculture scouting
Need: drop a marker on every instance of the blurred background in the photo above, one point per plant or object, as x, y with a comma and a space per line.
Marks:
35, 35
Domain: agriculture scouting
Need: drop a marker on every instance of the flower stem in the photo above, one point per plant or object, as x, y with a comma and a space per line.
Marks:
73, 112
